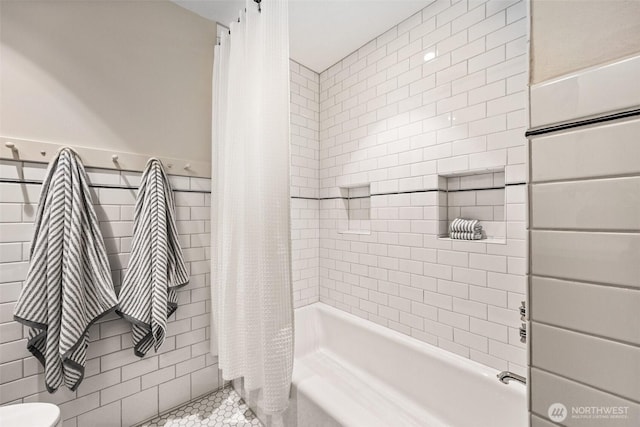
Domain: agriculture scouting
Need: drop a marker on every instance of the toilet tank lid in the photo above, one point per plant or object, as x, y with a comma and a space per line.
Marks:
29, 415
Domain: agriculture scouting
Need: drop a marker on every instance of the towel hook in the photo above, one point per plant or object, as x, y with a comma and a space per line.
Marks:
11, 146
187, 166
114, 158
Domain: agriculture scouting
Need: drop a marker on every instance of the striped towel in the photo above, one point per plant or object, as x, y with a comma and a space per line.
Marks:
462, 235
465, 229
68, 285
156, 268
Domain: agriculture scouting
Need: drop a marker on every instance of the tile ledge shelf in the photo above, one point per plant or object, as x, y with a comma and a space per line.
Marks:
491, 241
363, 232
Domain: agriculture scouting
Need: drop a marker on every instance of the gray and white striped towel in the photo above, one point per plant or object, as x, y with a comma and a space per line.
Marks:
156, 267
463, 235
465, 229
465, 225
68, 285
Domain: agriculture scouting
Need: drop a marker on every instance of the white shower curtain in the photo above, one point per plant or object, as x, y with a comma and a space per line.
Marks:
252, 314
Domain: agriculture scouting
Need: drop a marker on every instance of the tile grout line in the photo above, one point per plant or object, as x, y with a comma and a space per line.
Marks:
429, 190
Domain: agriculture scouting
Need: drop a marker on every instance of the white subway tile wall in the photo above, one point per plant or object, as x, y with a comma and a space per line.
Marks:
304, 251
305, 233
585, 247
118, 385
398, 122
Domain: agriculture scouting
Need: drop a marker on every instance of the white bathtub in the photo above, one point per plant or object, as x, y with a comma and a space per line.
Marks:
352, 372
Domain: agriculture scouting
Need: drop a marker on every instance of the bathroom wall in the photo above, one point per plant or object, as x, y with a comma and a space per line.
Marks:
403, 125
585, 246
304, 184
125, 75
569, 35
119, 388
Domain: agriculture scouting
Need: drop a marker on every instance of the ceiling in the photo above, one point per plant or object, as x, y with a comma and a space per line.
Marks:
322, 32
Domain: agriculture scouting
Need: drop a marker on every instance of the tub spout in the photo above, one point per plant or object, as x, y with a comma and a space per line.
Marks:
506, 376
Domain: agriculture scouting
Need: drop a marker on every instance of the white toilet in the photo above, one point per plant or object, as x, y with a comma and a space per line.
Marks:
30, 415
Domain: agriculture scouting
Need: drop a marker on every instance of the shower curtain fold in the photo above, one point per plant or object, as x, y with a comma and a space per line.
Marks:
252, 315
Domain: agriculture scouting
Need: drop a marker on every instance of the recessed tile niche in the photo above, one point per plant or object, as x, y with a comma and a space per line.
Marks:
357, 201
474, 195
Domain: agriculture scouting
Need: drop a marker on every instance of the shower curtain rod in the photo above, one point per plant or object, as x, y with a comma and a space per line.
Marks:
259, 10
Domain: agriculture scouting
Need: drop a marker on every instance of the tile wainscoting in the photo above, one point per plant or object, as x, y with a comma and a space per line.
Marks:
119, 387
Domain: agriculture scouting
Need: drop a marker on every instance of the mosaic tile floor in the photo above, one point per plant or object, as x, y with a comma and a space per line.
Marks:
219, 409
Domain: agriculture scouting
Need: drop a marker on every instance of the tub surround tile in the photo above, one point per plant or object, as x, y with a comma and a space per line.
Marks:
602, 309
606, 204
556, 254
586, 93
456, 113
305, 178
600, 363
547, 389
585, 153
584, 335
